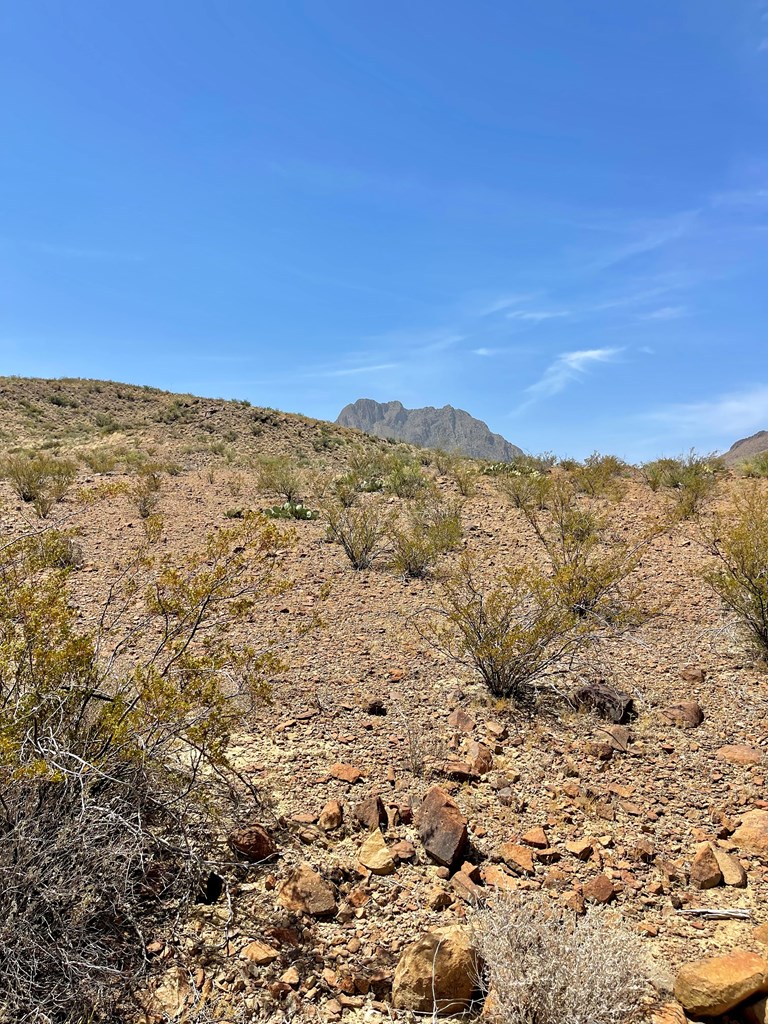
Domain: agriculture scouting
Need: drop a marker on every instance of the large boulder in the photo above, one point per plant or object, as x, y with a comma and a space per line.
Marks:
305, 891
443, 829
707, 988
439, 973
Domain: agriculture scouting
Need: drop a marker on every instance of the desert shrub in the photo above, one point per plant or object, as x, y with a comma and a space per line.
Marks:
510, 633
541, 968
145, 490
280, 477
359, 529
366, 469
464, 473
40, 479
347, 489
99, 460
404, 477
525, 489
755, 467
599, 475
691, 480
428, 530
739, 542
413, 550
442, 461
114, 776
291, 510
442, 519
589, 572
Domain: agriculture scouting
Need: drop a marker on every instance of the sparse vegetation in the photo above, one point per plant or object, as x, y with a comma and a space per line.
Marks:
108, 773
280, 478
359, 529
543, 968
599, 476
691, 480
510, 633
40, 479
739, 542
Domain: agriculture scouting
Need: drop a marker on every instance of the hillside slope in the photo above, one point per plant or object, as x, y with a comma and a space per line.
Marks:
747, 447
447, 428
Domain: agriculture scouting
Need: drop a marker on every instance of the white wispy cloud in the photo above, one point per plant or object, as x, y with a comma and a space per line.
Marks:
738, 412
568, 366
352, 371
537, 315
666, 313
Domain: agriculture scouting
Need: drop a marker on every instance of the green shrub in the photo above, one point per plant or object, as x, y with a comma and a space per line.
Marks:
99, 460
510, 633
691, 480
359, 529
114, 775
429, 530
404, 477
525, 490
755, 467
40, 479
599, 475
464, 473
739, 542
589, 574
280, 477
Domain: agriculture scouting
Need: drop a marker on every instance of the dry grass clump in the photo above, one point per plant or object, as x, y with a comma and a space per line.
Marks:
542, 969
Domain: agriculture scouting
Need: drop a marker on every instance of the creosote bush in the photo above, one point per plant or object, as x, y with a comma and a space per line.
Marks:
691, 481
510, 633
588, 571
599, 476
404, 477
359, 529
755, 467
40, 479
541, 968
739, 542
281, 478
430, 529
114, 770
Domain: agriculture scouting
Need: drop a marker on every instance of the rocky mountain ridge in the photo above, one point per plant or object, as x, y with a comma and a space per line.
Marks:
447, 428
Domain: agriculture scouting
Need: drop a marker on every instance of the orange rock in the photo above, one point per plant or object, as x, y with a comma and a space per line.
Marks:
740, 753
710, 987
705, 870
517, 856
536, 837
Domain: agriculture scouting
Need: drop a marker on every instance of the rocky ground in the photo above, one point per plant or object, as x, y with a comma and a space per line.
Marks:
399, 795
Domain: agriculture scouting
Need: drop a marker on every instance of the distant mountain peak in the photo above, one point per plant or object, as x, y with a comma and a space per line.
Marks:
447, 428
747, 447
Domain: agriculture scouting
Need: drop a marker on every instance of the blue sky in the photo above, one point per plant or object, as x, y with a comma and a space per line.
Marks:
552, 213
